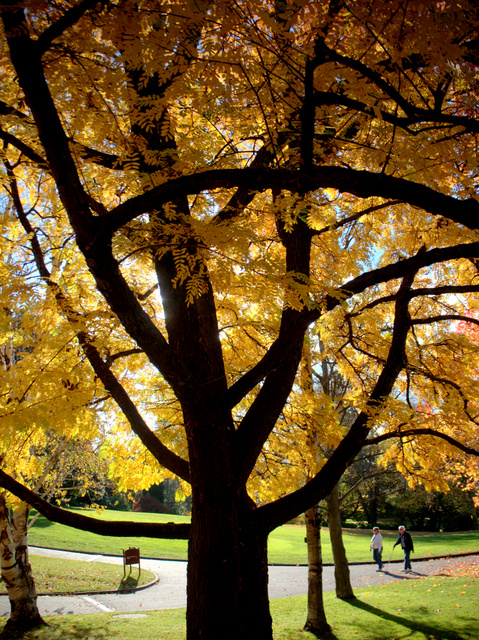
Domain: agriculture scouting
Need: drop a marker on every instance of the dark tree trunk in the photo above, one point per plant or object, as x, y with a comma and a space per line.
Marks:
316, 621
342, 577
373, 507
213, 573
227, 576
256, 622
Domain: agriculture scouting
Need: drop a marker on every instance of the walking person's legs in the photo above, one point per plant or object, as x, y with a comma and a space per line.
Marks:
377, 558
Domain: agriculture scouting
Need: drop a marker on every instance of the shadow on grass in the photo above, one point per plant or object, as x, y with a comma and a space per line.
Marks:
429, 631
129, 581
42, 523
72, 630
323, 635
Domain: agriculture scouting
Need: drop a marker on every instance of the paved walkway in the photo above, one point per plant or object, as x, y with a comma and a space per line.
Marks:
170, 591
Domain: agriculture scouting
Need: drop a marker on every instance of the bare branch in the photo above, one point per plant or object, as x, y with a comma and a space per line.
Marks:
412, 433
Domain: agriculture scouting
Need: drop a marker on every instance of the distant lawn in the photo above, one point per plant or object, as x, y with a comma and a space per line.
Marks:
440, 608
57, 536
56, 575
286, 544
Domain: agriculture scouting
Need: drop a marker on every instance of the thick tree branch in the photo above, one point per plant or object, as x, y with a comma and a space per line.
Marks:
429, 291
244, 196
68, 19
25, 149
450, 317
162, 454
363, 184
370, 279
102, 159
416, 115
263, 413
169, 530
7, 110
26, 58
273, 514
370, 74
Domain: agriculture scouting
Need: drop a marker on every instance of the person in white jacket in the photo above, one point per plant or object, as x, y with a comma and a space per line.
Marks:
377, 547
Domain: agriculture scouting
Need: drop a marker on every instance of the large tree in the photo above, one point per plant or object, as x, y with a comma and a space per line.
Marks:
199, 183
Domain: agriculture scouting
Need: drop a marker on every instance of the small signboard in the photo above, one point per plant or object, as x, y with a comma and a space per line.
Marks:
131, 556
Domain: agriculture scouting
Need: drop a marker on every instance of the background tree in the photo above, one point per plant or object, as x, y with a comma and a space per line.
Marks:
453, 510
186, 168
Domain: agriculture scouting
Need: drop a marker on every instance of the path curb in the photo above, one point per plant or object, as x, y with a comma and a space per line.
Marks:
107, 591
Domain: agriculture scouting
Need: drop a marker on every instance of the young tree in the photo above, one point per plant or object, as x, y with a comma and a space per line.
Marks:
17, 573
190, 167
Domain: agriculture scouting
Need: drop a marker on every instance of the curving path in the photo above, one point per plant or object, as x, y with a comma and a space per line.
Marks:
170, 591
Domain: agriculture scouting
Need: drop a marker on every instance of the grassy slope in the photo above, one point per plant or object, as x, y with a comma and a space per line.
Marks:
443, 608
286, 544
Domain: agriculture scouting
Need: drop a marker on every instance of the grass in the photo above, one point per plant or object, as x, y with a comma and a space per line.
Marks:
285, 546
55, 575
439, 608
57, 536
433, 608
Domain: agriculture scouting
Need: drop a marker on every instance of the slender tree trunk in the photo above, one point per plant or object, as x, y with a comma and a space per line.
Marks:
316, 621
344, 590
17, 573
373, 507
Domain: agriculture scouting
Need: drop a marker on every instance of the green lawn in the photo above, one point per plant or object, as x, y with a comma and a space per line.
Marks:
442, 608
286, 544
56, 575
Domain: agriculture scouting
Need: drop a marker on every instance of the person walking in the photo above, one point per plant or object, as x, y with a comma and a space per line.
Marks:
377, 548
404, 539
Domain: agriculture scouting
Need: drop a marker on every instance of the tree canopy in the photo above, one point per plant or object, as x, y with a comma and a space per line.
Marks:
195, 184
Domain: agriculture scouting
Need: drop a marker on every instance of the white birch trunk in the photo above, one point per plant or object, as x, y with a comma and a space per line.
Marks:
17, 572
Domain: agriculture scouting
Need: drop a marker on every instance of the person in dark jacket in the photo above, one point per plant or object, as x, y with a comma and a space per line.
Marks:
404, 539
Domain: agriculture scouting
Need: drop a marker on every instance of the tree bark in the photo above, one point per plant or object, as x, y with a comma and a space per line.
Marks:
316, 621
17, 573
256, 619
213, 571
227, 589
344, 590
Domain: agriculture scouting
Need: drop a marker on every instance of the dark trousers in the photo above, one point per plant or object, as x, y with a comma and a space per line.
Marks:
377, 558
